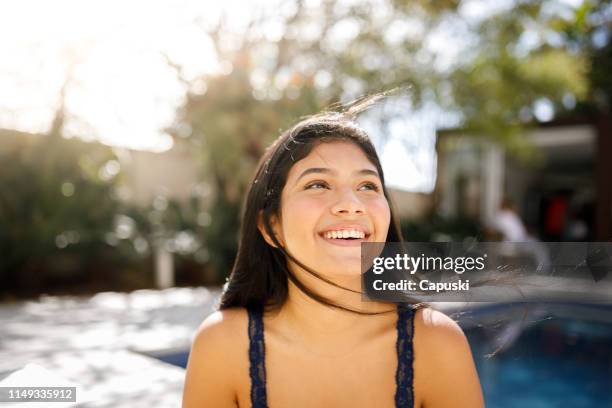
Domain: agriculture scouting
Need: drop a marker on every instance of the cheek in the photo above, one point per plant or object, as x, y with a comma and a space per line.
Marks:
381, 215
301, 216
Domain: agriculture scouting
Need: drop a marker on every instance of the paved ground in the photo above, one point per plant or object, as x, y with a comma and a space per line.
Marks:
100, 343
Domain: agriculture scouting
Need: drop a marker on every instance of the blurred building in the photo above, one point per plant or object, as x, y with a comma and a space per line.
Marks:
561, 190
173, 174
144, 175
410, 205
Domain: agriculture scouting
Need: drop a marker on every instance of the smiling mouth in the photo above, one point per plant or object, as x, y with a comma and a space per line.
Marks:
345, 236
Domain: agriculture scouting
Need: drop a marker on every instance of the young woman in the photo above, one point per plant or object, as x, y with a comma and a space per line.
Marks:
293, 329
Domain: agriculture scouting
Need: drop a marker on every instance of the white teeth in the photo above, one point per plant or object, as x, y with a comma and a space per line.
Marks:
343, 234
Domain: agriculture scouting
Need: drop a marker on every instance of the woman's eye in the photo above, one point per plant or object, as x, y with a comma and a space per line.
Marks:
370, 186
317, 185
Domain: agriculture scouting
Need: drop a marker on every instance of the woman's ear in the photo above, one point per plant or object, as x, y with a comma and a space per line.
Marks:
262, 229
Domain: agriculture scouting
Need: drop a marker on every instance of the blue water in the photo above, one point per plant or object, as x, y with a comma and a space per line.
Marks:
555, 361
552, 361
178, 358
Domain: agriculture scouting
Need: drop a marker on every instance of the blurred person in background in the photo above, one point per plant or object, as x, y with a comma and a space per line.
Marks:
509, 224
510, 228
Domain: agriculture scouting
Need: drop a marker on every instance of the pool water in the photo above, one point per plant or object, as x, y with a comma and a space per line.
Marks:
551, 361
555, 356
178, 358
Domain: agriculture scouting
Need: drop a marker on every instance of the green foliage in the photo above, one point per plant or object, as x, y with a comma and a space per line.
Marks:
496, 90
222, 236
233, 127
57, 214
274, 82
54, 210
340, 50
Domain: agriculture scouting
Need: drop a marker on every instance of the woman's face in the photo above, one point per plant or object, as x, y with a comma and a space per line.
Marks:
332, 201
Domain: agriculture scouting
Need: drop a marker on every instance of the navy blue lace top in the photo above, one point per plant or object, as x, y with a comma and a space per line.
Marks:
404, 392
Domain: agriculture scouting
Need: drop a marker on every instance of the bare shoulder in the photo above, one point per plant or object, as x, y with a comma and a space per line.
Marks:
218, 360
440, 338
438, 328
222, 337
443, 361
222, 328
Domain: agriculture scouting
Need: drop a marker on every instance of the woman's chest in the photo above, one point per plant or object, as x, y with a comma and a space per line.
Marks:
357, 381
352, 376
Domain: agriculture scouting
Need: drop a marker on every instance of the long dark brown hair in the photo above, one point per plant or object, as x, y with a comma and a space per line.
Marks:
260, 274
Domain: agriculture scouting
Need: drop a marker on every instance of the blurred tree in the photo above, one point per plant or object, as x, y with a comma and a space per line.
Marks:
56, 202
589, 32
491, 64
230, 129
520, 64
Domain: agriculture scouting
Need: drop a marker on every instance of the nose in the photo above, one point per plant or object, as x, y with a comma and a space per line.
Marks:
348, 203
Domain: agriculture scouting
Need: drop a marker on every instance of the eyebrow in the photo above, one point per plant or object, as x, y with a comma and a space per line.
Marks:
326, 170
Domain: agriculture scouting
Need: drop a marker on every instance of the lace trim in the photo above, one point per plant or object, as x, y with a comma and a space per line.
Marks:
404, 394
257, 359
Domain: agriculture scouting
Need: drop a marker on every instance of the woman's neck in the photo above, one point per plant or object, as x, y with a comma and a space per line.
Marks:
312, 319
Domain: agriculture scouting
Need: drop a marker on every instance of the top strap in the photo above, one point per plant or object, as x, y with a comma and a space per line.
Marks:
404, 393
257, 358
